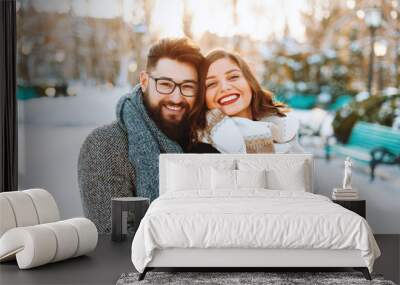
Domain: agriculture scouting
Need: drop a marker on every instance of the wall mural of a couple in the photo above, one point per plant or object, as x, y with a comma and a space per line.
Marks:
185, 102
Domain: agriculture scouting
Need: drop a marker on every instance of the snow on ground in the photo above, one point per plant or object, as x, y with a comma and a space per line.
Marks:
48, 158
316, 119
51, 132
91, 106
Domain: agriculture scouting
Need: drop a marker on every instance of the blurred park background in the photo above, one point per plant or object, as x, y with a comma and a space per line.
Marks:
336, 63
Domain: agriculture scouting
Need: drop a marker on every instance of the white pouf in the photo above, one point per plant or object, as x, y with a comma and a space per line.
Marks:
37, 245
30, 230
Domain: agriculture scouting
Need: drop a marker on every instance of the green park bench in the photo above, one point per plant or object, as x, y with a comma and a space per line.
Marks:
370, 143
302, 101
340, 102
26, 92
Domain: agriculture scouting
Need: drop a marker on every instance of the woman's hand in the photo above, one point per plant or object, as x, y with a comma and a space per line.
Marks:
275, 131
213, 117
223, 133
284, 129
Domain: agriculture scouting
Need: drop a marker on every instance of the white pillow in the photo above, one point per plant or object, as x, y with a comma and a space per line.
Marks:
291, 181
181, 177
282, 174
251, 178
236, 179
193, 174
223, 179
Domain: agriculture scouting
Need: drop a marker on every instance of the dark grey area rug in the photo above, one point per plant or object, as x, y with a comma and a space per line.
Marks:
269, 278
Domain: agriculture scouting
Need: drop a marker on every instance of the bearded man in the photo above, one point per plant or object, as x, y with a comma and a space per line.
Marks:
121, 159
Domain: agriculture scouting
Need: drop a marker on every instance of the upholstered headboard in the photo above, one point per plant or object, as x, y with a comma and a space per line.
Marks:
276, 162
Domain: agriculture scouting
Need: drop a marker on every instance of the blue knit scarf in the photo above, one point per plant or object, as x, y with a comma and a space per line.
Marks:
145, 142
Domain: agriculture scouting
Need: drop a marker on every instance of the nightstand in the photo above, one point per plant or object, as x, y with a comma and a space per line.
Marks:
357, 206
119, 215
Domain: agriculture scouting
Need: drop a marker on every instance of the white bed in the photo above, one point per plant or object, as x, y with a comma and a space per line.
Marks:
193, 224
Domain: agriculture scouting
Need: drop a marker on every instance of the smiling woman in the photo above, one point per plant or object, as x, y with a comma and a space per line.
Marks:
227, 89
240, 116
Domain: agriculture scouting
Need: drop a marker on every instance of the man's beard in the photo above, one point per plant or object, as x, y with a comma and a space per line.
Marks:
175, 130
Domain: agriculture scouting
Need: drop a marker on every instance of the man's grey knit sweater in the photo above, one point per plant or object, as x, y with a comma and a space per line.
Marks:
104, 172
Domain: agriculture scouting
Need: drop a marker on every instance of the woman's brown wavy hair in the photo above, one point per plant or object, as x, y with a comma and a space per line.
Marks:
262, 103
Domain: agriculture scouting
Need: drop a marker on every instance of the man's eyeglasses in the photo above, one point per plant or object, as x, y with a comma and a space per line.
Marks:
167, 86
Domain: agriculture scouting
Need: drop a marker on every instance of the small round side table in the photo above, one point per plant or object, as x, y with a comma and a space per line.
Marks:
119, 215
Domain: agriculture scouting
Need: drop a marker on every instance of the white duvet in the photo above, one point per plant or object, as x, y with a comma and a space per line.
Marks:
253, 218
